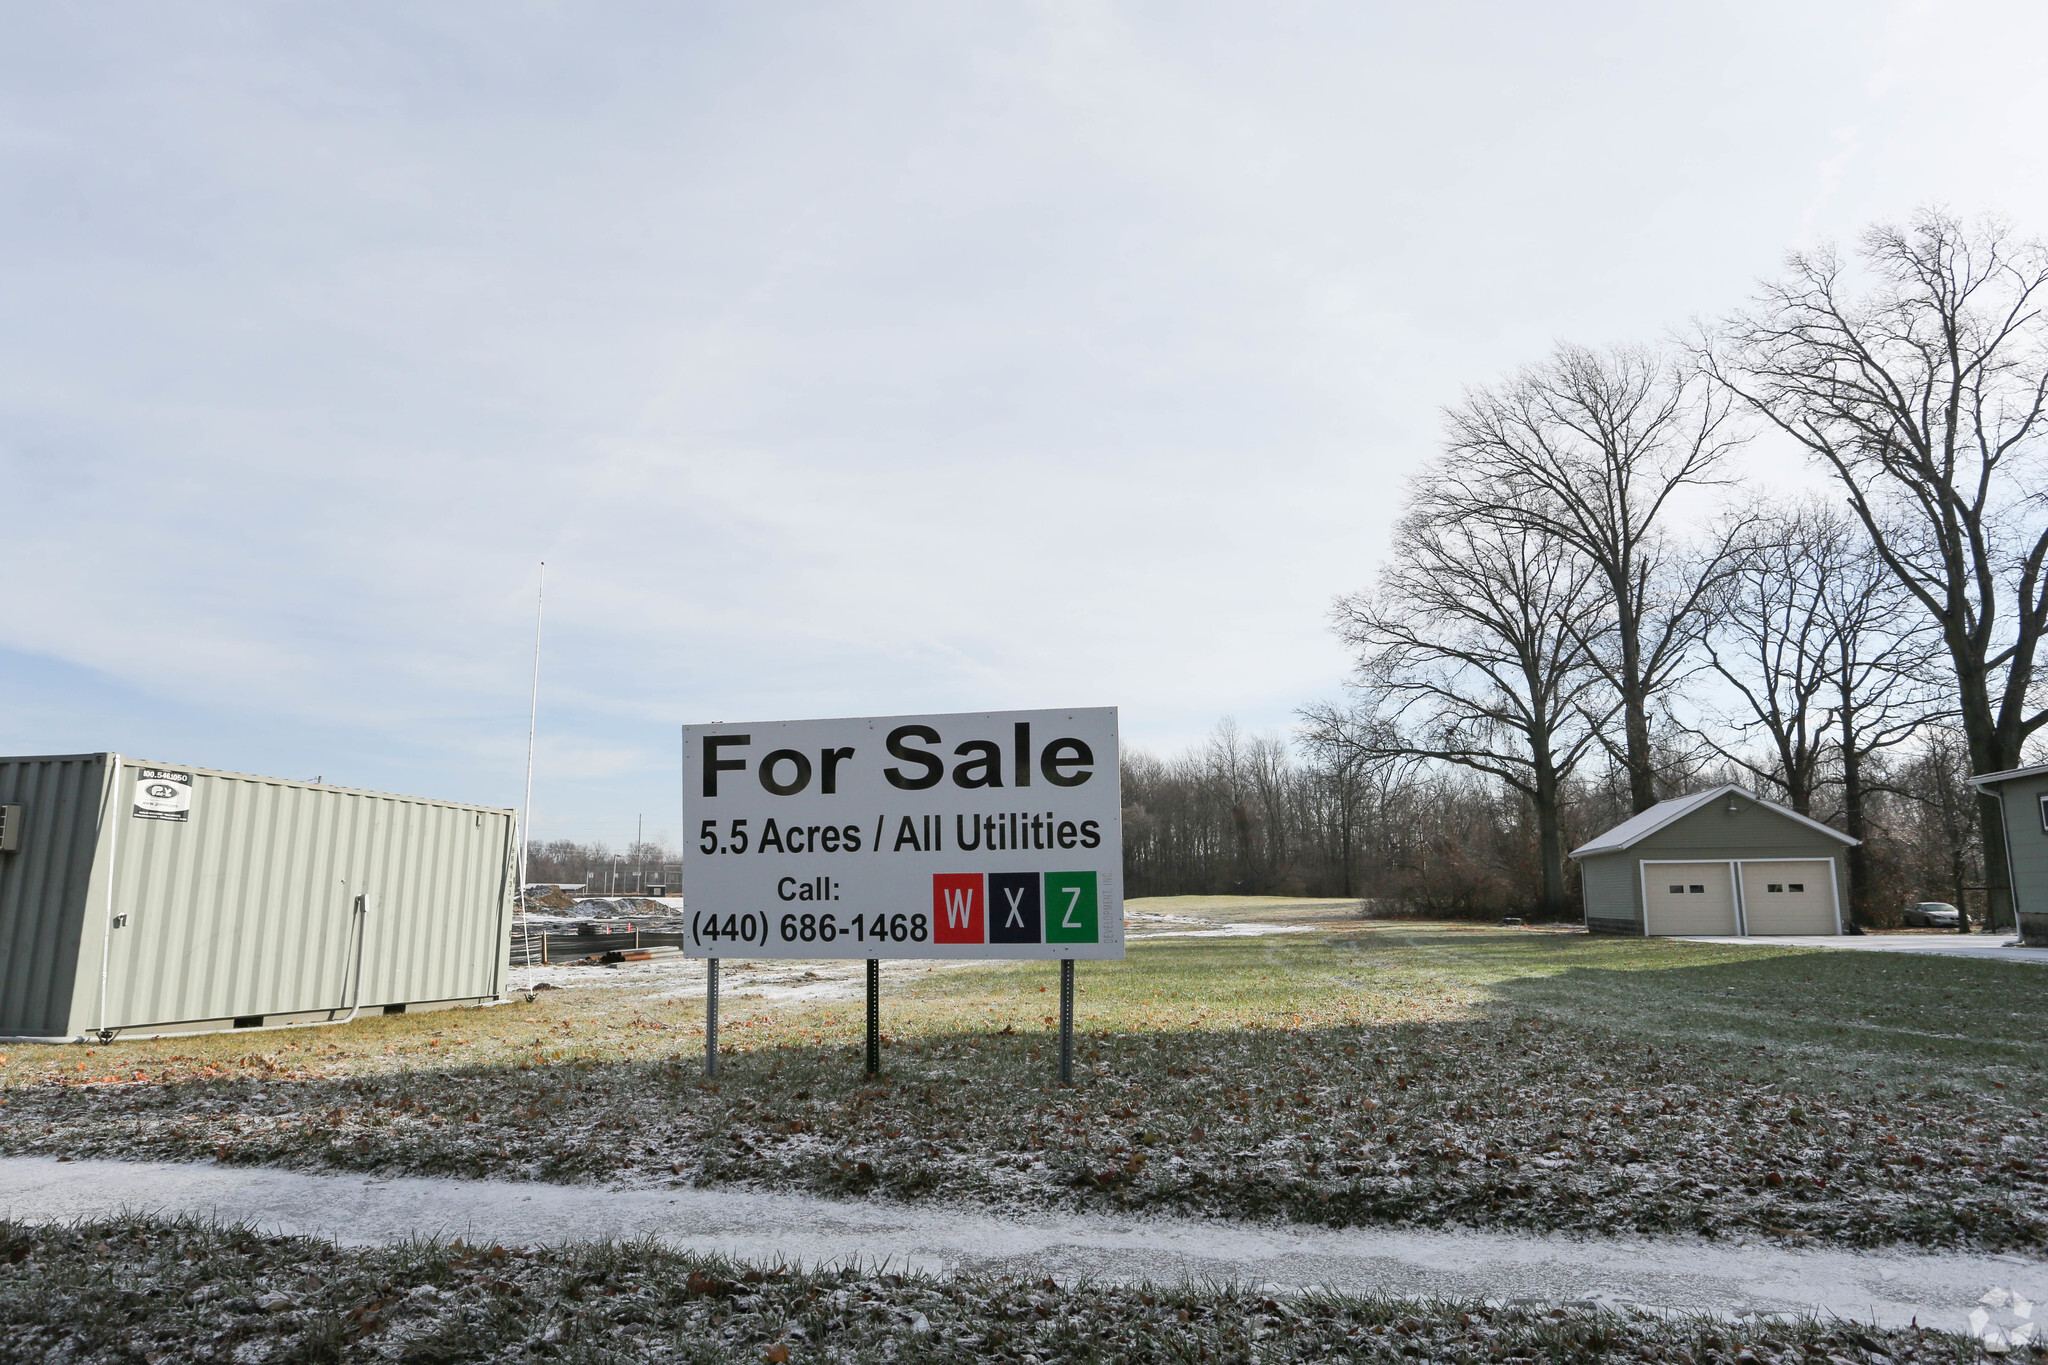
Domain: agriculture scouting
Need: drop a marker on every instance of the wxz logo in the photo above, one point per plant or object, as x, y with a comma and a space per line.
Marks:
1015, 907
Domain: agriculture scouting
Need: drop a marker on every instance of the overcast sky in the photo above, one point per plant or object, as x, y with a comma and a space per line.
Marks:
838, 359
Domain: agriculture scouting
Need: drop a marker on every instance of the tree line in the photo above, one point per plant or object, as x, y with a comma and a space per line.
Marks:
1583, 612
599, 867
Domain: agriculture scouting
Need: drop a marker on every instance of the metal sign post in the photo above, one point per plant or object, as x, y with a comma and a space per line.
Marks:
711, 1017
874, 1016
1066, 1021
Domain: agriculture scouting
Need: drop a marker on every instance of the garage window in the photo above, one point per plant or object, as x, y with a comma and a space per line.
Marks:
1775, 886
1699, 890
1798, 886
1678, 891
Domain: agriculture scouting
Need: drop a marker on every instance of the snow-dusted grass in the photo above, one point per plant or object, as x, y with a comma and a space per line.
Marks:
176, 1291
1363, 1073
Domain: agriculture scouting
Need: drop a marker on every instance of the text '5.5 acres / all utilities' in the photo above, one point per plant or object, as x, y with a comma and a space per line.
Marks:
990, 834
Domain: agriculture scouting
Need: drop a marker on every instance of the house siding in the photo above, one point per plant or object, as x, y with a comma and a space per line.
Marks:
1613, 896
2028, 849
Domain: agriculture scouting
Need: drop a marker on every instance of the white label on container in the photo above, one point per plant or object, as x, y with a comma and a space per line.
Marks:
163, 795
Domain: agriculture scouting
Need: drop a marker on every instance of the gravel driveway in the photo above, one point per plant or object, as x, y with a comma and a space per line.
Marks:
1998, 947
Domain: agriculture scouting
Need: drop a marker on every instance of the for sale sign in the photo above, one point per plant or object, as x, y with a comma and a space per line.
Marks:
982, 835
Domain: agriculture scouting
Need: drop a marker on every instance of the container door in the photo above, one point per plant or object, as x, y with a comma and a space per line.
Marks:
1792, 897
1689, 898
133, 939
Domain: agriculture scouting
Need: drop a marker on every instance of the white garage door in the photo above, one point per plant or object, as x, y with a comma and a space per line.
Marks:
1689, 898
1788, 898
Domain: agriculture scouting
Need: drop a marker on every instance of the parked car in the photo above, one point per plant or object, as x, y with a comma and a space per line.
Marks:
1931, 915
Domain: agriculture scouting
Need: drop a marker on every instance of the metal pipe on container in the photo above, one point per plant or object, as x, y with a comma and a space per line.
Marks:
113, 817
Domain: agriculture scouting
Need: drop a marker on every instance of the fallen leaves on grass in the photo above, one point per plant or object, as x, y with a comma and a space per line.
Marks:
1489, 1124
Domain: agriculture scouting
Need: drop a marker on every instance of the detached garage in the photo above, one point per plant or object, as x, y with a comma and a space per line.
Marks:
1717, 862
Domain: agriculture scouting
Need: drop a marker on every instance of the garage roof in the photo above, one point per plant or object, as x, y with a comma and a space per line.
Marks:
1641, 826
1988, 779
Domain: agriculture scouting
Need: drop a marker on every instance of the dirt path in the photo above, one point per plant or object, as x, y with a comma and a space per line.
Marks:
1887, 1288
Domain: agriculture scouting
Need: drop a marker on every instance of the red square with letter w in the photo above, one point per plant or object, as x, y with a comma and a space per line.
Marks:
959, 907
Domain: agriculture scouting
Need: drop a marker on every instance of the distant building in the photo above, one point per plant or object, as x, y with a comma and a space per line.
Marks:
1716, 862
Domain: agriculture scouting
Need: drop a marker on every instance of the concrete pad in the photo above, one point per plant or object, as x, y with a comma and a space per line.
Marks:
1999, 947
1890, 1288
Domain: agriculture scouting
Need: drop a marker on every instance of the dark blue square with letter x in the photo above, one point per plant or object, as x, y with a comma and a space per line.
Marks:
1013, 907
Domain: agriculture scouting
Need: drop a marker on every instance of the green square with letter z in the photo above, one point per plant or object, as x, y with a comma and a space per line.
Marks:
1071, 913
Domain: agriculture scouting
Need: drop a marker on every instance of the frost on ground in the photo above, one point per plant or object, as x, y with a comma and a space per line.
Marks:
1388, 1074
1489, 1124
805, 981
159, 1291
680, 980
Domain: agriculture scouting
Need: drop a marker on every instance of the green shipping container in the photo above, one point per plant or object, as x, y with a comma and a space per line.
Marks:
146, 898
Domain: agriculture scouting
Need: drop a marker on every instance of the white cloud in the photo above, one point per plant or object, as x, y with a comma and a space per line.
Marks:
836, 360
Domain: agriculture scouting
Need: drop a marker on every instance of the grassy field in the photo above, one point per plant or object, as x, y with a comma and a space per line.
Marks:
159, 1292
1351, 1072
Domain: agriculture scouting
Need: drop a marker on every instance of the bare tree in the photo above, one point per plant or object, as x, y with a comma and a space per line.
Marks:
1826, 658
1589, 450
1816, 641
1925, 392
1950, 851
1771, 647
1474, 650
1349, 751
1883, 689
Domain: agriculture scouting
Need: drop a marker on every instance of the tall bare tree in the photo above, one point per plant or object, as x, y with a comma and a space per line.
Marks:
1589, 449
1771, 646
1476, 650
1884, 690
1922, 383
1826, 659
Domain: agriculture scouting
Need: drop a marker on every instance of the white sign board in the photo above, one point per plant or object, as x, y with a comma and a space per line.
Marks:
163, 795
982, 835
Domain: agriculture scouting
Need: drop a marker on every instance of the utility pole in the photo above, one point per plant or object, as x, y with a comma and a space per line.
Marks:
640, 852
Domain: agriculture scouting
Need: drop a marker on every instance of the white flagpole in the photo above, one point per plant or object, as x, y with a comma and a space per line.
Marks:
532, 717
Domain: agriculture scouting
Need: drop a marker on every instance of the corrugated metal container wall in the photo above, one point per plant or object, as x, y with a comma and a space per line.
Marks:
258, 898
44, 885
249, 907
